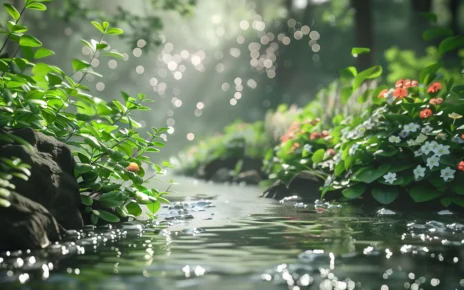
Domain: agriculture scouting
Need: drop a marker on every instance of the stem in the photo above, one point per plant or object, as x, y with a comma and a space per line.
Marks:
103, 154
8, 36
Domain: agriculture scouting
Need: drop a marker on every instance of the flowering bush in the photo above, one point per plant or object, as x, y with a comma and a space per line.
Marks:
410, 144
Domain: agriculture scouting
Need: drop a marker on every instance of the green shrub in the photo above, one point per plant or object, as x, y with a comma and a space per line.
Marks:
107, 147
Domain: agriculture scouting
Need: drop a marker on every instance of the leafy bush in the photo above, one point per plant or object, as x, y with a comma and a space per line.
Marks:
109, 151
407, 141
238, 140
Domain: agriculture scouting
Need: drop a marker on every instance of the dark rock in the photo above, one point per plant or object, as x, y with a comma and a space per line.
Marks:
211, 168
248, 177
221, 175
25, 224
52, 183
304, 185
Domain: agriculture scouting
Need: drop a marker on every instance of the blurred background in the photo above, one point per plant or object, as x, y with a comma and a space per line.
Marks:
208, 62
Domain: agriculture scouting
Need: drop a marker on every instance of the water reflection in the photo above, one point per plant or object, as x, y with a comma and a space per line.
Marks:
224, 237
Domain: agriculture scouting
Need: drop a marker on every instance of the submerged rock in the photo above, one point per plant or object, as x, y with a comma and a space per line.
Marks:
304, 184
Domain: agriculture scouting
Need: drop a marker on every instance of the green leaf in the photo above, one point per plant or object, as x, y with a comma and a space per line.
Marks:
120, 106
345, 94
114, 31
134, 209
94, 219
107, 216
114, 54
360, 50
370, 73
43, 52
354, 191
385, 194
318, 156
457, 186
154, 207
78, 64
435, 32
348, 72
27, 40
12, 11
86, 200
421, 192
370, 174
36, 6
98, 26
432, 17
428, 70
112, 199
450, 43
83, 168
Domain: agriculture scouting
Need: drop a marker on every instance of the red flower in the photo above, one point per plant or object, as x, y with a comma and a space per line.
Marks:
295, 145
400, 93
315, 135
433, 101
439, 101
133, 167
399, 83
424, 114
461, 166
382, 94
462, 136
331, 152
433, 88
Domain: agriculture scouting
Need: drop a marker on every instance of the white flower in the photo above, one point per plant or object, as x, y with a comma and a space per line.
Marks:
412, 143
353, 149
447, 173
427, 129
428, 147
457, 139
307, 148
404, 134
328, 181
337, 158
390, 177
418, 153
432, 162
421, 138
394, 139
368, 124
411, 127
419, 172
441, 150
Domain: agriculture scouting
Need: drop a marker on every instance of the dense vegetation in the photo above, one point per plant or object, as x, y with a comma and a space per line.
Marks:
364, 135
110, 153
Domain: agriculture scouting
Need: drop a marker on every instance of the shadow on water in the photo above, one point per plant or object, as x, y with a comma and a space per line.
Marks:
225, 237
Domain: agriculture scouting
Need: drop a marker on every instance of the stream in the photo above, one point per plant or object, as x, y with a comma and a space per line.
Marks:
220, 236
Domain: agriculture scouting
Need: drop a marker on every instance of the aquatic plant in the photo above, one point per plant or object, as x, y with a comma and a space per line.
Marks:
110, 153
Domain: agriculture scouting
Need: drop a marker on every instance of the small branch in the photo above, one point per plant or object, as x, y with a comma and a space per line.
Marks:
8, 36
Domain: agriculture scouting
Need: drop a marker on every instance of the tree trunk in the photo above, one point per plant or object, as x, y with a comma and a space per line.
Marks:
453, 8
363, 31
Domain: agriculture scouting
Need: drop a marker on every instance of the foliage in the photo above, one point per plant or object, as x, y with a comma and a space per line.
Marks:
146, 26
109, 151
11, 167
407, 142
238, 140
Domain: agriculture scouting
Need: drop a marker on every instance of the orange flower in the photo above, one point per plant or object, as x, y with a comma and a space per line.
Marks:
461, 166
414, 83
315, 135
439, 101
325, 133
382, 94
399, 83
331, 152
400, 93
433, 88
295, 145
433, 101
133, 167
425, 113
462, 136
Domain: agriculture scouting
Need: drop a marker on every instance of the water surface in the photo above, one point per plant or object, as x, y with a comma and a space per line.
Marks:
226, 237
